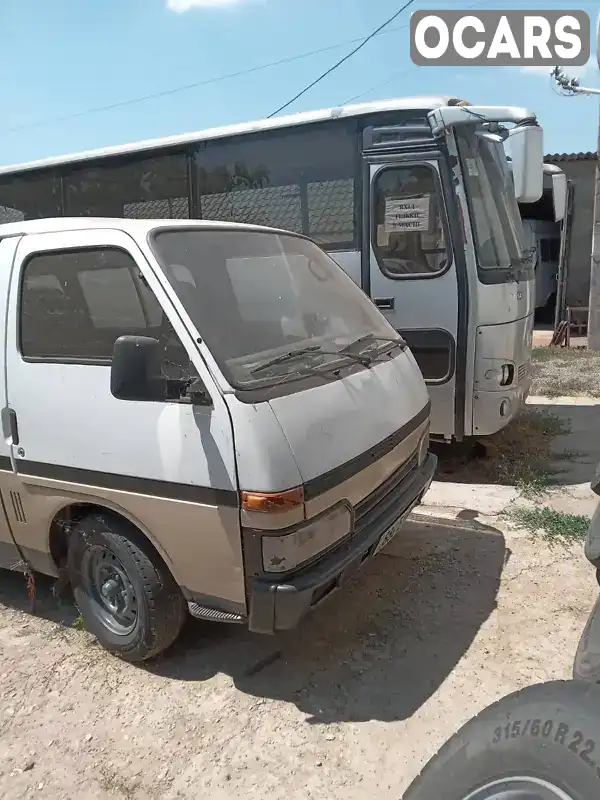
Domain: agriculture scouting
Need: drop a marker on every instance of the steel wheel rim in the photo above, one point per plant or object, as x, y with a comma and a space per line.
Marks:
111, 591
519, 788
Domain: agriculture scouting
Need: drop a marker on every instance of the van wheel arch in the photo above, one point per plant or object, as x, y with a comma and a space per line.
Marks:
71, 515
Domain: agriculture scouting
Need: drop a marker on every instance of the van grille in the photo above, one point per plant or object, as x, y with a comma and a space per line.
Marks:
376, 503
522, 373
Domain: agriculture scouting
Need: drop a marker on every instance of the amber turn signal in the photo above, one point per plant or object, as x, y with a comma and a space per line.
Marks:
267, 503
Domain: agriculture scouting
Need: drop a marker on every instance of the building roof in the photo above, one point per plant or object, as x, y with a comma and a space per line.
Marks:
589, 156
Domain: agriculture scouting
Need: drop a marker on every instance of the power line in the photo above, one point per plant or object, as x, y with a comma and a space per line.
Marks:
397, 75
196, 85
344, 59
394, 77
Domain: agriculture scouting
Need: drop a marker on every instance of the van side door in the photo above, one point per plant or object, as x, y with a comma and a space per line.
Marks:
168, 466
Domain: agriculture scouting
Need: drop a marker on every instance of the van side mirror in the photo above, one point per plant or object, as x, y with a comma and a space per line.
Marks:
135, 372
527, 151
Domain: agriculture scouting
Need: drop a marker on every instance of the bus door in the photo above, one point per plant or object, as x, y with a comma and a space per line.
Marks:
410, 272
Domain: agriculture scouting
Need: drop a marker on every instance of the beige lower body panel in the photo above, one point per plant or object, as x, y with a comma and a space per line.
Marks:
199, 543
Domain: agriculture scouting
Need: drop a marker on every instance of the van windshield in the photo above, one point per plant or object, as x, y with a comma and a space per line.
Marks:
259, 297
495, 216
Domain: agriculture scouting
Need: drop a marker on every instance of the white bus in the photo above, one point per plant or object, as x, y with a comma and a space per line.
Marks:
412, 197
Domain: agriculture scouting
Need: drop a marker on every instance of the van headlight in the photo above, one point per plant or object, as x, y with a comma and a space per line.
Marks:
287, 551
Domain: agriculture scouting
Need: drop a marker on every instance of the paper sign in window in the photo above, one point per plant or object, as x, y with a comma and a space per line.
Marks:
408, 214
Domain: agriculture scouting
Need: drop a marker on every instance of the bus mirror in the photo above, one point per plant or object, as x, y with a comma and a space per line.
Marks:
559, 196
527, 150
135, 372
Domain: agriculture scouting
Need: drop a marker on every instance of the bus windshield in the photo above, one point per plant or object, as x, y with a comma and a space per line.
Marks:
269, 306
497, 227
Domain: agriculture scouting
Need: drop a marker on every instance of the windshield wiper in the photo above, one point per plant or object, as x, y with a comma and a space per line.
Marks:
370, 338
316, 349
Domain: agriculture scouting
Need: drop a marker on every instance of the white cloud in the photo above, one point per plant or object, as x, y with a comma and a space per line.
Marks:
180, 6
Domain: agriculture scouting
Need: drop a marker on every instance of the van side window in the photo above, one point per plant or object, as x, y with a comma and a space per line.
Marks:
408, 236
76, 303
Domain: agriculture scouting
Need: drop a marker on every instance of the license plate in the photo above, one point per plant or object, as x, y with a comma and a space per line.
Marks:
389, 534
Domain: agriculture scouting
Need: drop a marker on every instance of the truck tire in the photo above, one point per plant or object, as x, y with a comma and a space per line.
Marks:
127, 597
542, 743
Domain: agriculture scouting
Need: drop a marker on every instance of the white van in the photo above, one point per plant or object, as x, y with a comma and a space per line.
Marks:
197, 416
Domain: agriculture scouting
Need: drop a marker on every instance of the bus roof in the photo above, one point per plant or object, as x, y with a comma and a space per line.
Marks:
303, 118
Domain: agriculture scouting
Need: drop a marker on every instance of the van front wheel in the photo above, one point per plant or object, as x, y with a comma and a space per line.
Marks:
126, 595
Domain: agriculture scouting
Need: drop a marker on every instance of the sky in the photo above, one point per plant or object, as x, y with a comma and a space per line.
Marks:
76, 71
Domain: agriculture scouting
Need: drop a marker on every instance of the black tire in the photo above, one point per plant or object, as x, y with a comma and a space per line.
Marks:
548, 733
152, 616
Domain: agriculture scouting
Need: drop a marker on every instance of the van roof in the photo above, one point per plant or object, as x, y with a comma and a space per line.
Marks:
136, 227
303, 118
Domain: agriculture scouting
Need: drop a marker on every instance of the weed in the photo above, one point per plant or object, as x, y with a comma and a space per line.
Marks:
79, 624
556, 526
562, 372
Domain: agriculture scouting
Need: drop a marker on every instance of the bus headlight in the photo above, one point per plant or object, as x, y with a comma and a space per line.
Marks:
503, 375
287, 551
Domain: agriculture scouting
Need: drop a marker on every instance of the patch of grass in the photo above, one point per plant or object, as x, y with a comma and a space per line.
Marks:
519, 455
79, 624
556, 526
566, 372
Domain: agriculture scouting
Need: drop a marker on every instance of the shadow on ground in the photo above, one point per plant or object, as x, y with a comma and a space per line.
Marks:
376, 650
14, 593
581, 444
531, 451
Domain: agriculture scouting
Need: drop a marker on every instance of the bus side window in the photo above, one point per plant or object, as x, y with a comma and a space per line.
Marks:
408, 236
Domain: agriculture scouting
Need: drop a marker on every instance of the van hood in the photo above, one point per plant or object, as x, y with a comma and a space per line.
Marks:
334, 423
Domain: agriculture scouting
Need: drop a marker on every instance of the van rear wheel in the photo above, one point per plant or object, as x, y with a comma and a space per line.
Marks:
126, 595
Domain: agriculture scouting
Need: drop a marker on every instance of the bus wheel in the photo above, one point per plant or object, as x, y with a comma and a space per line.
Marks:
126, 595
542, 743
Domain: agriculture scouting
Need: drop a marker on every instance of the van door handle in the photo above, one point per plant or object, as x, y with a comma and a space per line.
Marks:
385, 302
10, 428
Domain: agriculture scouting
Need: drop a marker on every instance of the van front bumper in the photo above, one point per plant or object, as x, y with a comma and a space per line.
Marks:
277, 605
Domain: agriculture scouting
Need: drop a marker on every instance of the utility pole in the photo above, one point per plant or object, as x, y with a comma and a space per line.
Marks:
572, 85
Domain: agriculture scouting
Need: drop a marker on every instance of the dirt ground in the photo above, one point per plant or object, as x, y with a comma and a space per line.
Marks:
459, 610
